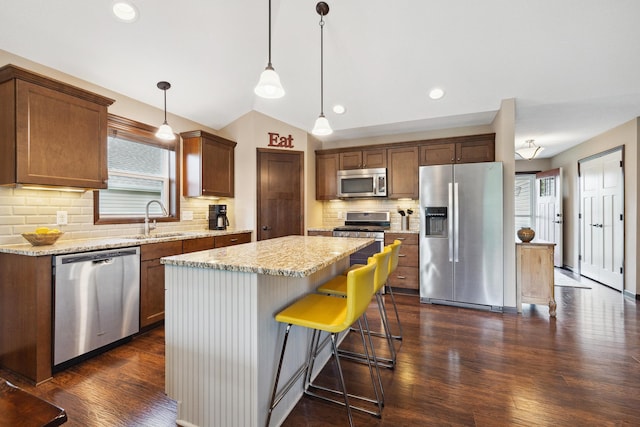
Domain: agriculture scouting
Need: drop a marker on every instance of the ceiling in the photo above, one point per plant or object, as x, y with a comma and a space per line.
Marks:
572, 66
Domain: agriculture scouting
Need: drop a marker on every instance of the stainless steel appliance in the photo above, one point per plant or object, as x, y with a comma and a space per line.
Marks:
218, 219
364, 224
96, 300
362, 182
461, 235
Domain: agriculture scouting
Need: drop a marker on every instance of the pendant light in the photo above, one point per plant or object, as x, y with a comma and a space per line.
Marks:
164, 131
269, 85
322, 127
529, 150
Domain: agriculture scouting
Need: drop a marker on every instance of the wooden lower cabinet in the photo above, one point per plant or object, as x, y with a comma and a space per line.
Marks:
152, 288
534, 275
232, 239
152, 280
407, 274
26, 313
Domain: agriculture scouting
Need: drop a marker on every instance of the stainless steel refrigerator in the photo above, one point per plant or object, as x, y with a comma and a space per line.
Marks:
461, 235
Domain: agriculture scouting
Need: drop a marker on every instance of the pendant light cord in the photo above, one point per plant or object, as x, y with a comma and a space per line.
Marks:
321, 65
165, 106
269, 64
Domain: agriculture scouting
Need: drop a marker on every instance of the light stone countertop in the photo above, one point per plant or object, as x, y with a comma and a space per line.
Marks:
85, 245
292, 256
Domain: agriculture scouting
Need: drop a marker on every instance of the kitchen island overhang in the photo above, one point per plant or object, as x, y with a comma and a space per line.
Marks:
221, 336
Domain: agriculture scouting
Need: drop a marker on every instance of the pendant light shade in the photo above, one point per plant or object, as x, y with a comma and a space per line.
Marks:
529, 150
322, 127
269, 85
164, 131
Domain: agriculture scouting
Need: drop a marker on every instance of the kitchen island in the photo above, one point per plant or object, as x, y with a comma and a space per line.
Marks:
222, 341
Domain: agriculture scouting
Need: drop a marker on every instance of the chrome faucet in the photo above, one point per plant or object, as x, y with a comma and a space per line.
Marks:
148, 227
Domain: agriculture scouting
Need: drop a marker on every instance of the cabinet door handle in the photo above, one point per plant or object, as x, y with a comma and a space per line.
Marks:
234, 240
401, 277
401, 255
401, 238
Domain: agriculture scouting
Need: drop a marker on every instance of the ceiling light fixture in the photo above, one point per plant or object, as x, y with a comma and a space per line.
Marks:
339, 109
125, 11
269, 85
322, 127
436, 93
164, 131
529, 150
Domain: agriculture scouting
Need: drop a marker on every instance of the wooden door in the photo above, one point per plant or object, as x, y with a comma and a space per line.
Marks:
280, 193
602, 219
548, 204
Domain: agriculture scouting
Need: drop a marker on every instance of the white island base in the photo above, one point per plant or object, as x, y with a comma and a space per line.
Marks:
222, 342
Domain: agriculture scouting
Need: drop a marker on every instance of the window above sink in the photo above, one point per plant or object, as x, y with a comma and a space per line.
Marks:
141, 168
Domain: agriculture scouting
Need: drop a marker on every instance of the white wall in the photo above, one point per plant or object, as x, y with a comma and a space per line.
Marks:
504, 127
625, 135
251, 132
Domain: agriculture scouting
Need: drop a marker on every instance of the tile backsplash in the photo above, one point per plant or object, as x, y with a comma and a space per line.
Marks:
333, 212
23, 210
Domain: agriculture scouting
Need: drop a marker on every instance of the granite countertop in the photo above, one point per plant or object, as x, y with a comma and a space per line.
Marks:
292, 256
85, 245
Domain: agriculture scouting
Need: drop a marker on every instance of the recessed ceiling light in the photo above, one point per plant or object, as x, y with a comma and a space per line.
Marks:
436, 93
125, 11
339, 109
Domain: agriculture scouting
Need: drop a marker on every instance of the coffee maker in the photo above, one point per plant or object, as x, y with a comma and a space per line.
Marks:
218, 217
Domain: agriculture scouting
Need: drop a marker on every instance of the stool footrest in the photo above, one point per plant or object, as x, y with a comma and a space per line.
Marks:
377, 414
361, 358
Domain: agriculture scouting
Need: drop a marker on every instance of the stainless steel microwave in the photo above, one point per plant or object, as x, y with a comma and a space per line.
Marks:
362, 183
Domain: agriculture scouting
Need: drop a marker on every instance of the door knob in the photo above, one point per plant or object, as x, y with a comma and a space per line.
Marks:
266, 228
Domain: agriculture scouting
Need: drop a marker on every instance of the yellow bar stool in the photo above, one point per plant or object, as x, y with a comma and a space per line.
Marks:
393, 264
323, 313
337, 287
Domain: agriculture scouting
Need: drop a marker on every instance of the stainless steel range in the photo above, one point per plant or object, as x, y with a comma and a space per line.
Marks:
365, 225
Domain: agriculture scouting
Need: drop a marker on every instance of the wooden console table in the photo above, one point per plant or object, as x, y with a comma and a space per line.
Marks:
19, 408
534, 274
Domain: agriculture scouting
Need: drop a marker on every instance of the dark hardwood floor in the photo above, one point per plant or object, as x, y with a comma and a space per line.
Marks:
456, 367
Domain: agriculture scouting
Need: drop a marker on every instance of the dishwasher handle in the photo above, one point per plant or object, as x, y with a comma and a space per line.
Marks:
98, 258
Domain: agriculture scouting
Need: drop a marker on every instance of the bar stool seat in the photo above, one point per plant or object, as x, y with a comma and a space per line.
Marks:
323, 313
337, 287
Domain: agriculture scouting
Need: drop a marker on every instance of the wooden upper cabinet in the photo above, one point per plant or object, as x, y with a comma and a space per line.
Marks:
208, 165
402, 175
327, 176
51, 133
471, 149
363, 159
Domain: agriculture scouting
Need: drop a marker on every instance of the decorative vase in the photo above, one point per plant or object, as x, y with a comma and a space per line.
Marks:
526, 234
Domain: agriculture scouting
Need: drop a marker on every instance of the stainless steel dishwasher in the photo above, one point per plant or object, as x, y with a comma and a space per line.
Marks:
96, 300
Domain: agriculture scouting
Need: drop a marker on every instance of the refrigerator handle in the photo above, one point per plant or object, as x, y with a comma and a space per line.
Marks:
450, 223
456, 216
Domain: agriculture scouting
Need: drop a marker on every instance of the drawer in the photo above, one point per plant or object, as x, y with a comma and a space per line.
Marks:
199, 244
408, 256
159, 250
405, 277
405, 238
232, 239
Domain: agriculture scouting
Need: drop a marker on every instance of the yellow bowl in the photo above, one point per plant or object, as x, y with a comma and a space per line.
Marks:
42, 239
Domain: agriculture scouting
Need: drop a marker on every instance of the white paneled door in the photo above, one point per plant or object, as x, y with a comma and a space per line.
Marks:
549, 210
602, 219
